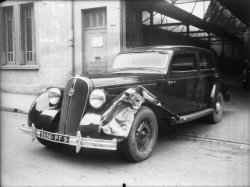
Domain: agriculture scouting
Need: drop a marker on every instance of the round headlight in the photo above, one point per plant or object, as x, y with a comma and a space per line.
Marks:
97, 98
54, 96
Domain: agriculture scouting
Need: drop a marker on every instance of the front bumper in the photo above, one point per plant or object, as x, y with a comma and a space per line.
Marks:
76, 141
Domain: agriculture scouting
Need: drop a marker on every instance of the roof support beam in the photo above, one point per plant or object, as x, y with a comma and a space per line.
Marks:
167, 24
176, 2
172, 11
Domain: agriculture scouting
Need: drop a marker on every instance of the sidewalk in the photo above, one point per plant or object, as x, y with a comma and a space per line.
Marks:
13, 102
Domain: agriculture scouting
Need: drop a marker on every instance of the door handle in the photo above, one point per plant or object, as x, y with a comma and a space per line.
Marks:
171, 82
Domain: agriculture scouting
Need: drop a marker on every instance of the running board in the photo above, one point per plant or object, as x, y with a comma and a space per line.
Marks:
195, 115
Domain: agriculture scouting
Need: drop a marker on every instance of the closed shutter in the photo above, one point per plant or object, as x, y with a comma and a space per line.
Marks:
2, 39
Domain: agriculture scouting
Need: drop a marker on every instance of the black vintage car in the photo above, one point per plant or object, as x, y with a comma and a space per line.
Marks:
120, 110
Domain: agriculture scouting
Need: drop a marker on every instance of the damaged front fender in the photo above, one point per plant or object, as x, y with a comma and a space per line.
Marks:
118, 118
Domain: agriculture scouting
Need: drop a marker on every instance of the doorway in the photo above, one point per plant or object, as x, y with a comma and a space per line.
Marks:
95, 41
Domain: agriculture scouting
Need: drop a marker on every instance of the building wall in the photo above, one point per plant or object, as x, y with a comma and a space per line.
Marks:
54, 40
231, 50
53, 57
246, 47
113, 29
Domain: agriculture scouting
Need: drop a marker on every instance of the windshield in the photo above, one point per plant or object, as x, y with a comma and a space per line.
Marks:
141, 60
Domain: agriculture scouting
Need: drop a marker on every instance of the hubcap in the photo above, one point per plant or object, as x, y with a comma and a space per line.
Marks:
219, 106
143, 135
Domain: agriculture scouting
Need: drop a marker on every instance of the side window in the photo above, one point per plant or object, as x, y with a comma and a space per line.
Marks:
206, 61
183, 62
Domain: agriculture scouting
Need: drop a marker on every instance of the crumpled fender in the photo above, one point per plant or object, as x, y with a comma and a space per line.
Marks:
219, 85
41, 114
118, 118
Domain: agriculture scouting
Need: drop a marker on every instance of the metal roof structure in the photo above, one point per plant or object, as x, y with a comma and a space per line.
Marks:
223, 20
239, 8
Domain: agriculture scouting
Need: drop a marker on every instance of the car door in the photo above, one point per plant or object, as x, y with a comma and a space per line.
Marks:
206, 69
182, 82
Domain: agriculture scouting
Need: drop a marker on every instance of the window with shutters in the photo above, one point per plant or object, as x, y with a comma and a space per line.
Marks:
7, 36
17, 35
27, 34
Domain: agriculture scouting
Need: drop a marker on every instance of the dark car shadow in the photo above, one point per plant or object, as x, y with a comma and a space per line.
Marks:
227, 113
94, 156
86, 156
168, 131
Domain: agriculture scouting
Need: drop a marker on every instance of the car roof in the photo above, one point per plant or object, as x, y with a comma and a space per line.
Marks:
163, 48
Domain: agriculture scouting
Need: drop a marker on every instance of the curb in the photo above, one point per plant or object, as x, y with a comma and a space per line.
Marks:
14, 110
208, 139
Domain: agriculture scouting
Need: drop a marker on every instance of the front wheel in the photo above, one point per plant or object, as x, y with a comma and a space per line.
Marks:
216, 116
142, 138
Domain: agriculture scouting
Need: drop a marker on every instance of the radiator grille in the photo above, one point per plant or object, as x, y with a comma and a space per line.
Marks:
73, 106
65, 106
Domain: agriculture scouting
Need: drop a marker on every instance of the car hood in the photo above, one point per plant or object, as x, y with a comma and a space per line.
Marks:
124, 77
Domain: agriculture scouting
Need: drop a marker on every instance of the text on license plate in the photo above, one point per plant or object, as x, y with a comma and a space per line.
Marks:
54, 137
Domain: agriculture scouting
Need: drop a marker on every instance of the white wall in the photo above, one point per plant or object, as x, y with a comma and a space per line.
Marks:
53, 57
113, 29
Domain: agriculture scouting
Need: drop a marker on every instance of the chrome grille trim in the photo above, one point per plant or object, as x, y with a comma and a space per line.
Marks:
70, 99
90, 88
72, 114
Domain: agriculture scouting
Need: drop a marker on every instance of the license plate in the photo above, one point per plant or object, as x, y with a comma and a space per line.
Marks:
54, 137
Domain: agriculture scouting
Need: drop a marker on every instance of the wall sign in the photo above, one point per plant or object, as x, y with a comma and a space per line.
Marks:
97, 41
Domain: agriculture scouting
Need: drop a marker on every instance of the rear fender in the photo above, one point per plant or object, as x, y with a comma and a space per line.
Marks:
118, 118
218, 86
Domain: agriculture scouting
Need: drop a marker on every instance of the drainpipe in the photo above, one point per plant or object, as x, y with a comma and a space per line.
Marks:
73, 37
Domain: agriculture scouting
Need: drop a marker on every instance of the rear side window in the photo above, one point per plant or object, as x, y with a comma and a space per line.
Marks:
183, 62
205, 61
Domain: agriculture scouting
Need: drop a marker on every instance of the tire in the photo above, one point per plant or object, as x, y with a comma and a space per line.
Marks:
142, 137
216, 116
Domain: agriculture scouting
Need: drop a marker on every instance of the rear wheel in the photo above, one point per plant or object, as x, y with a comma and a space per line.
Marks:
142, 138
244, 79
216, 116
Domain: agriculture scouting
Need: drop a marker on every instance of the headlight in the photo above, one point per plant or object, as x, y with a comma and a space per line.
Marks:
54, 96
97, 98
